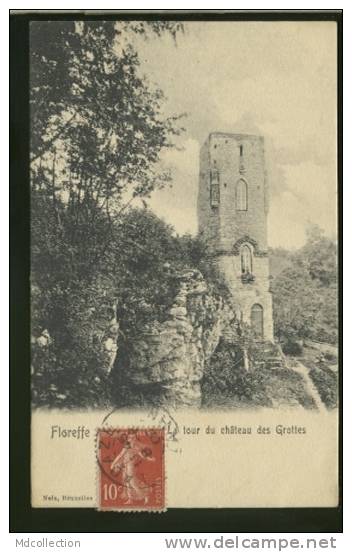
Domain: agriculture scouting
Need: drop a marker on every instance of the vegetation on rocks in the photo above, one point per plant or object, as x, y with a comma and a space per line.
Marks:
104, 272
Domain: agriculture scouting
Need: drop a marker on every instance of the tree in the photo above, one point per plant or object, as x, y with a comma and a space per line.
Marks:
93, 115
96, 134
305, 292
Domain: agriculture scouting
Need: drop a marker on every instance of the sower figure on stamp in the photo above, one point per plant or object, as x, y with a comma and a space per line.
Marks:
131, 456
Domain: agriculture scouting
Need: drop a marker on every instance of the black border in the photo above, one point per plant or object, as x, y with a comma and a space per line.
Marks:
24, 518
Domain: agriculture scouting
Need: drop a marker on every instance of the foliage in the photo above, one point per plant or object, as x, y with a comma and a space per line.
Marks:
72, 299
97, 130
292, 348
325, 381
75, 298
227, 384
330, 357
305, 292
149, 255
93, 100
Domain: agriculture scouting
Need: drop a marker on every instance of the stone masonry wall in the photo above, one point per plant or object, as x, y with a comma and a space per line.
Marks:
235, 157
208, 217
224, 154
244, 296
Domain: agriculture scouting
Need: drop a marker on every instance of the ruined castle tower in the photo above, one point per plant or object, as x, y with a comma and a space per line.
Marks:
232, 216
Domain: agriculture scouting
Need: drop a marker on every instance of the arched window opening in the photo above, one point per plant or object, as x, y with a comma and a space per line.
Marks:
241, 196
246, 259
257, 321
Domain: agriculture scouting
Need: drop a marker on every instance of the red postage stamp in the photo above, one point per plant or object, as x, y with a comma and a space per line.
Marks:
131, 468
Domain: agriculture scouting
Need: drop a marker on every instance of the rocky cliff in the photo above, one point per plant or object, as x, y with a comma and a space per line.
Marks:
166, 362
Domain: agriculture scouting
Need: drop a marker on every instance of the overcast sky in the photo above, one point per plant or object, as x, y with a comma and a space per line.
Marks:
275, 79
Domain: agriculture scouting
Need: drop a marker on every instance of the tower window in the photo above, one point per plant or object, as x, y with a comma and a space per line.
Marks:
246, 259
241, 196
214, 188
241, 150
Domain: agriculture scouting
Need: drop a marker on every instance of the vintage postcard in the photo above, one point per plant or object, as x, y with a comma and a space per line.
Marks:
184, 290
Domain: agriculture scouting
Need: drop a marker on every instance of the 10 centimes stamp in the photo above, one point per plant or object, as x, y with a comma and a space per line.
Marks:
131, 469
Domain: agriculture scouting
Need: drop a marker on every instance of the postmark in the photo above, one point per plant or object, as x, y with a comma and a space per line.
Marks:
131, 469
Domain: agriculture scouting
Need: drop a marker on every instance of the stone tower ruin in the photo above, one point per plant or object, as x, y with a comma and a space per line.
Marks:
232, 217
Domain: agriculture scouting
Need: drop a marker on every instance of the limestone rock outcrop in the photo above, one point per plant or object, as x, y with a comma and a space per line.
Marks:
168, 358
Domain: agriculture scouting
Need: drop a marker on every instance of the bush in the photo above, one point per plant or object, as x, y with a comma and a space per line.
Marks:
330, 357
292, 348
227, 384
326, 382
76, 298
